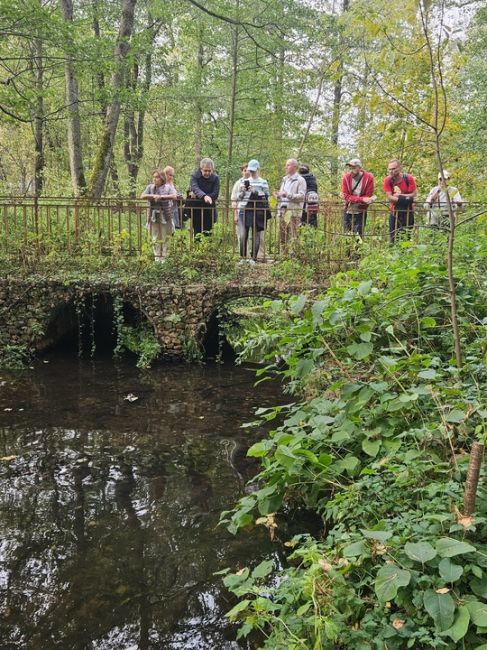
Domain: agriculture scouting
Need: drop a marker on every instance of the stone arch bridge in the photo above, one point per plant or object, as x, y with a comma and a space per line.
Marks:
37, 313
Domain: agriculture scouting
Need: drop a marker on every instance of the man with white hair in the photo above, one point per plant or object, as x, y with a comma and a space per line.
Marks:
205, 185
290, 197
437, 201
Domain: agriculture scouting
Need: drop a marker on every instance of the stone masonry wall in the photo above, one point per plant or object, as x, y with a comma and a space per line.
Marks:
178, 314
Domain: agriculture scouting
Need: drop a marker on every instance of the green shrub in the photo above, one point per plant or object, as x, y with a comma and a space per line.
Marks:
378, 450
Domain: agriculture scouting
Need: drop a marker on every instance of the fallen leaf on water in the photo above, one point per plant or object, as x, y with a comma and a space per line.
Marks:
7, 459
131, 397
270, 523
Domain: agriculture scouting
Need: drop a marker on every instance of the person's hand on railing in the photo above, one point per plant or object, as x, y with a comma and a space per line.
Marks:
208, 199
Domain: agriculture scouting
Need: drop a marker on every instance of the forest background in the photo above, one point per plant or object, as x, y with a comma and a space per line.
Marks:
95, 94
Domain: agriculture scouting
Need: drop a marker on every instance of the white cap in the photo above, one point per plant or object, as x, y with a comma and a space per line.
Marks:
446, 175
355, 162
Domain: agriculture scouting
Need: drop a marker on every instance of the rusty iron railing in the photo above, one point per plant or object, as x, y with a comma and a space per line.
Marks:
37, 227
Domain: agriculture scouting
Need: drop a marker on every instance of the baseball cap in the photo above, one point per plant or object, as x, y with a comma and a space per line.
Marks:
355, 162
253, 165
446, 175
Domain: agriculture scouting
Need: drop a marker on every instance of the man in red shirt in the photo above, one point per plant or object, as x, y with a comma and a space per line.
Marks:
400, 189
357, 190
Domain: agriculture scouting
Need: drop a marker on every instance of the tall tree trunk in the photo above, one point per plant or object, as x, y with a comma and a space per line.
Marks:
198, 110
37, 68
233, 104
337, 104
100, 82
72, 100
99, 76
278, 111
134, 128
107, 140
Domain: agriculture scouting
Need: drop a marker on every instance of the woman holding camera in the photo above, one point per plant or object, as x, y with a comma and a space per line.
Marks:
253, 207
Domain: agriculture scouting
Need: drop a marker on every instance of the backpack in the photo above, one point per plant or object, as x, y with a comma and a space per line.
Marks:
405, 203
312, 202
405, 178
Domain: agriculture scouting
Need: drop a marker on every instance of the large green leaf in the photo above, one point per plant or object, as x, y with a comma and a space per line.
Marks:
355, 549
389, 579
441, 608
371, 447
379, 535
360, 351
449, 547
478, 612
260, 449
479, 587
449, 571
298, 304
460, 627
420, 552
455, 416
263, 569
364, 288
239, 607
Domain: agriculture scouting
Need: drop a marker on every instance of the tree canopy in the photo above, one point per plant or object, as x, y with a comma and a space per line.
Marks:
94, 95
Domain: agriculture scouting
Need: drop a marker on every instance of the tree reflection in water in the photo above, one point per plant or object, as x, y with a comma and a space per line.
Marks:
108, 511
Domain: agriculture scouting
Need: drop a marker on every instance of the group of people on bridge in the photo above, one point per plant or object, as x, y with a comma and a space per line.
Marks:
297, 200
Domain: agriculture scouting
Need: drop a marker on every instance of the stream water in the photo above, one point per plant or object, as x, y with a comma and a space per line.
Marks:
109, 507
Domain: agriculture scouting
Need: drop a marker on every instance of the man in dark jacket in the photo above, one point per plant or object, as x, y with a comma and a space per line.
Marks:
309, 217
205, 185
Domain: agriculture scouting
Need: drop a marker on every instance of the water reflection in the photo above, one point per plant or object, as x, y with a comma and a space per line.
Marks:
108, 508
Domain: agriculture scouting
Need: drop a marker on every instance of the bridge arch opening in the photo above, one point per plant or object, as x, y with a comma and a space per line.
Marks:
227, 323
87, 325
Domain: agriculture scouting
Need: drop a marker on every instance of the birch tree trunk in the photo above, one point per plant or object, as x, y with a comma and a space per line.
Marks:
233, 104
337, 104
134, 126
37, 71
107, 139
198, 110
72, 100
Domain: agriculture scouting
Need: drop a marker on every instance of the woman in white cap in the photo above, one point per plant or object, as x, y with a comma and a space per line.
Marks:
437, 201
253, 195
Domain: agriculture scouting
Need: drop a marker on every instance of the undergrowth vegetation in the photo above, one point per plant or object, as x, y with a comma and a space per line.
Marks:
377, 443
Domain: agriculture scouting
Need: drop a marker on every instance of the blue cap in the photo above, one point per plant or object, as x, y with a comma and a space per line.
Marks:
253, 165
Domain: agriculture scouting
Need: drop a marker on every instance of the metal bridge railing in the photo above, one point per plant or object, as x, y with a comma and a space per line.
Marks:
36, 228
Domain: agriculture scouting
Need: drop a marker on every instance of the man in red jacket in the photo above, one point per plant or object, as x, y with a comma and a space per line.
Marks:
400, 189
358, 192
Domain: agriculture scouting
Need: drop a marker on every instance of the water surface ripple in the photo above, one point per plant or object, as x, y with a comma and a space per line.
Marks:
108, 507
